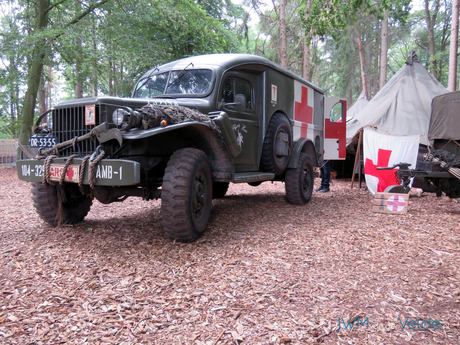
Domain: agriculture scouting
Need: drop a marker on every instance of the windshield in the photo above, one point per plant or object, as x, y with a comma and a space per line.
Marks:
198, 81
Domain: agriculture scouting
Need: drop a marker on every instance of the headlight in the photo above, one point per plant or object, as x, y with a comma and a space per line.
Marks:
120, 116
126, 118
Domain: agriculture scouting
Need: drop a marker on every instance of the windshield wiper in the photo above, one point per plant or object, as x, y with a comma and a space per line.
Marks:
146, 79
178, 76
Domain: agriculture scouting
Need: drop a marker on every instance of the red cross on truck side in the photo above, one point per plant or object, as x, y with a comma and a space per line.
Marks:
303, 112
386, 177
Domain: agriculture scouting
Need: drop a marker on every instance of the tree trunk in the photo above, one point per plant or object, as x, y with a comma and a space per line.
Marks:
283, 51
48, 88
384, 50
375, 81
430, 19
78, 76
110, 78
363, 74
94, 83
306, 66
14, 91
42, 95
349, 95
35, 72
78, 61
120, 80
37, 57
453, 56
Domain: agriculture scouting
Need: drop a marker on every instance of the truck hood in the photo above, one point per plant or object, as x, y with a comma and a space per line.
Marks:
200, 104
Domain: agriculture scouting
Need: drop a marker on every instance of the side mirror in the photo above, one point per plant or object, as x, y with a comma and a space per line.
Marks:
240, 103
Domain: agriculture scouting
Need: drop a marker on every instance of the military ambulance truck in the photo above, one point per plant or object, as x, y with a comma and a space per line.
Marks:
191, 127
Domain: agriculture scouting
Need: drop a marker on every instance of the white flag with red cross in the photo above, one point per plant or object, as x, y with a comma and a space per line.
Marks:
381, 150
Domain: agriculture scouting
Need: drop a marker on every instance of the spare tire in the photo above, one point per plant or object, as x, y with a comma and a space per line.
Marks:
276, 150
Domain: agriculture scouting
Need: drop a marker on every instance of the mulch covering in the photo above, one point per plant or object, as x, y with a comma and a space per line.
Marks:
265, 272
153, 115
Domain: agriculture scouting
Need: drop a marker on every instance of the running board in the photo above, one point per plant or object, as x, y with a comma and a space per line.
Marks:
252, 177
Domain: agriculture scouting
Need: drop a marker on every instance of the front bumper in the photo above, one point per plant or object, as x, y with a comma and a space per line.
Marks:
109, 172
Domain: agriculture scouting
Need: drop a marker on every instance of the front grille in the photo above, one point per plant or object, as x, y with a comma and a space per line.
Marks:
69, 123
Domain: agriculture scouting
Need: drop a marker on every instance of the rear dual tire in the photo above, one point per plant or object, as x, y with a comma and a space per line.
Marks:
299, 181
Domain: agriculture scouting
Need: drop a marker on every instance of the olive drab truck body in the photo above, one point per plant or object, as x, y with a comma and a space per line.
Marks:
191, 127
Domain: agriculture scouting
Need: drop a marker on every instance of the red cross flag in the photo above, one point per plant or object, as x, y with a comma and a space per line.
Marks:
381, 150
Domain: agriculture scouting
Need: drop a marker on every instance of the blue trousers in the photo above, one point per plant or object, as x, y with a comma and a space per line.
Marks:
326, 174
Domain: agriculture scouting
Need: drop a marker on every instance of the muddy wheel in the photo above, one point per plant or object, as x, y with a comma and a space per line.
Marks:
219, 189
186, 195
74, 209
276, 149
299, 181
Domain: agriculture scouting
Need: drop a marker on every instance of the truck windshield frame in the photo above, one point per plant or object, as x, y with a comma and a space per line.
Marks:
193, 82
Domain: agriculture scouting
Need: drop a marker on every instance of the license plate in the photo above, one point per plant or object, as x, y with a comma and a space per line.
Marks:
38, 142
73, 171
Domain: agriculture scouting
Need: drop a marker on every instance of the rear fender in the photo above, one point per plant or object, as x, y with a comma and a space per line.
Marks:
303, 145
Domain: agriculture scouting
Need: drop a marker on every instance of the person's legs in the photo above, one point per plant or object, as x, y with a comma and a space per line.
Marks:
326, 175
325, 178
322, 177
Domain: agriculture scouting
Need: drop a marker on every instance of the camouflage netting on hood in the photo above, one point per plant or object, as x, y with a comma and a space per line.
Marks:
153, 115
449, 162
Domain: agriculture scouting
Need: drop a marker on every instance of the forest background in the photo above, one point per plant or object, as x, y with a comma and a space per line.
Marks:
62, 49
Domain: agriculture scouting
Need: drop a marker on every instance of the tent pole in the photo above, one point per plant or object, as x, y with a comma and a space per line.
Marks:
358, 151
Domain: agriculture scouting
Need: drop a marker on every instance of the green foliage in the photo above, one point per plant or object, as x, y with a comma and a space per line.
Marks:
329, 18
110, 47
121, 41
267, 39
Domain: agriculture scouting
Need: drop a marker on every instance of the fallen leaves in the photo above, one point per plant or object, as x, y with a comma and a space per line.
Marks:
265, 272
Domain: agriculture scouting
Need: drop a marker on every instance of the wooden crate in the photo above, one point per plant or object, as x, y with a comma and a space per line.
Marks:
391, 203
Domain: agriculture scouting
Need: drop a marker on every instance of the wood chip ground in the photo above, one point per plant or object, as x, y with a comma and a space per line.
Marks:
265, 272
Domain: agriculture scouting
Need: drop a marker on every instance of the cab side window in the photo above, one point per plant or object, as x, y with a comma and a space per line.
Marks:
233, 86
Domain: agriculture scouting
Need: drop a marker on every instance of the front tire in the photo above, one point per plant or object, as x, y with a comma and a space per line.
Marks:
46, 203
299, 181
186, 195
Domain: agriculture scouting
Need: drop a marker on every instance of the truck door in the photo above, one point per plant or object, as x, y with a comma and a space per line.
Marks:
335, 128
245, 124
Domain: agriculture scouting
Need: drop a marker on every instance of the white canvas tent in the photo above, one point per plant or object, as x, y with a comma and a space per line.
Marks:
402, 106
359, 105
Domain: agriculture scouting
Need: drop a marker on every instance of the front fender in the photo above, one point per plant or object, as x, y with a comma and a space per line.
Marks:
138, 133
163, 141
